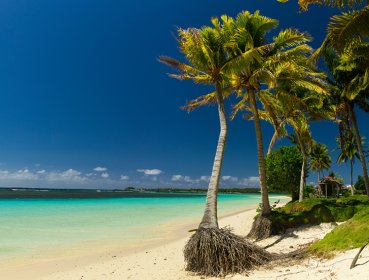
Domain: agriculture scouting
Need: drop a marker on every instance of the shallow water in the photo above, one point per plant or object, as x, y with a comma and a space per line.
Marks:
31, 225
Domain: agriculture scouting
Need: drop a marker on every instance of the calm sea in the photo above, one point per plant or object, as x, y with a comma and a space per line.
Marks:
28, 226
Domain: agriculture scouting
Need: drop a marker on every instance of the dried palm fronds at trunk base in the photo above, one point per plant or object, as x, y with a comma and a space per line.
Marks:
262, 228
218, 252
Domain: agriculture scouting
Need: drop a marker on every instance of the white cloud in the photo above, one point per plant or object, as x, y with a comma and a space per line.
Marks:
43, 171
124, 177
151, 172
105, 175
205, 178
100, 169
23, 174
177, 178
181, 178
68, 175
252, 181
229, 178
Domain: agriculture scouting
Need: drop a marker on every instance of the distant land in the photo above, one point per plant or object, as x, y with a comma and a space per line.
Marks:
115, 193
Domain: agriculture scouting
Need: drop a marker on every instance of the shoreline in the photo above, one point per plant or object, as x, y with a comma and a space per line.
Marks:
55, 260
165, 260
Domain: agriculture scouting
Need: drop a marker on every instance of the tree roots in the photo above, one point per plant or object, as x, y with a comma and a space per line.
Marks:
218, 252
262, 228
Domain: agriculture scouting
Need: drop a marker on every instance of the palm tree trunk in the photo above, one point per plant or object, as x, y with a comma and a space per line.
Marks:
302, 178
265, 205
210, 218
351, 178
303, 167
359, 146
318, 176
272, 141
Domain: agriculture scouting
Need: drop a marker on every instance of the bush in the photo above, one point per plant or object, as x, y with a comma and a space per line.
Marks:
283, 170
352, 234
360, 185
315, 211
308, 190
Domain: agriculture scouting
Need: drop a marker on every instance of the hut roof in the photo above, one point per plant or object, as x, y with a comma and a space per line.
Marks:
329, 180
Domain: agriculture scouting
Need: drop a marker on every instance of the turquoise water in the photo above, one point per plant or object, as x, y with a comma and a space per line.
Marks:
30, 225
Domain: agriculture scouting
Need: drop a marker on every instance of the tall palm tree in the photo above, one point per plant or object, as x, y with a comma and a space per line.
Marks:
298, 98
248, 38
206, 57
249, 78
350, 87
265, 62
348, 35
299, 104
348, 152
211, 54
319, 158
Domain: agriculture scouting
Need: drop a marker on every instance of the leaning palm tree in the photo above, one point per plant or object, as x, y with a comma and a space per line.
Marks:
248, 43
210, 55
319, 158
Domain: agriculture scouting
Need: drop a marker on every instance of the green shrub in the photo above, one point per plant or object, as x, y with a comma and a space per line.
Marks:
352, 234
314, 211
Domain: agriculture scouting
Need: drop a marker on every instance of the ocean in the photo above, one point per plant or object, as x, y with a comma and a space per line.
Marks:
30, 226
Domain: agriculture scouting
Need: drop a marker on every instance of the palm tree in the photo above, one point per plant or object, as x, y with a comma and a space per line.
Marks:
304, 4
350, 88
210, 54
206, 55
299, 98
347, 29
349, 151
279, 132
319, 158
348, 35
248, 35
305, 140
301, 103
249, 78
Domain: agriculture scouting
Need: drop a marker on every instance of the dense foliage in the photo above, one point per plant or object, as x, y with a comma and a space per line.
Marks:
352, 234
314, 211
283, 169
360, 185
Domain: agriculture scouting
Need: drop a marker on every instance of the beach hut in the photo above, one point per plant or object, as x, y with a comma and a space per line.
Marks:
329, 186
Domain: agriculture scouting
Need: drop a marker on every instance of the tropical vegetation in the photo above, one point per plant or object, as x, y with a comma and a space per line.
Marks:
276, 80
319, 158
283, 170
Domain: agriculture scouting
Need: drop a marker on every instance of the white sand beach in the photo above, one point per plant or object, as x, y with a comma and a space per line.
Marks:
165, 261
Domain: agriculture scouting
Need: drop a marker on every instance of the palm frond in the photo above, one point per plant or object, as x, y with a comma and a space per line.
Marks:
348, 28
289, 38
304, 4
206, 99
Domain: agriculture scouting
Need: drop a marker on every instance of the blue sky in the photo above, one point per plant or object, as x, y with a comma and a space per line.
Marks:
84, 102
